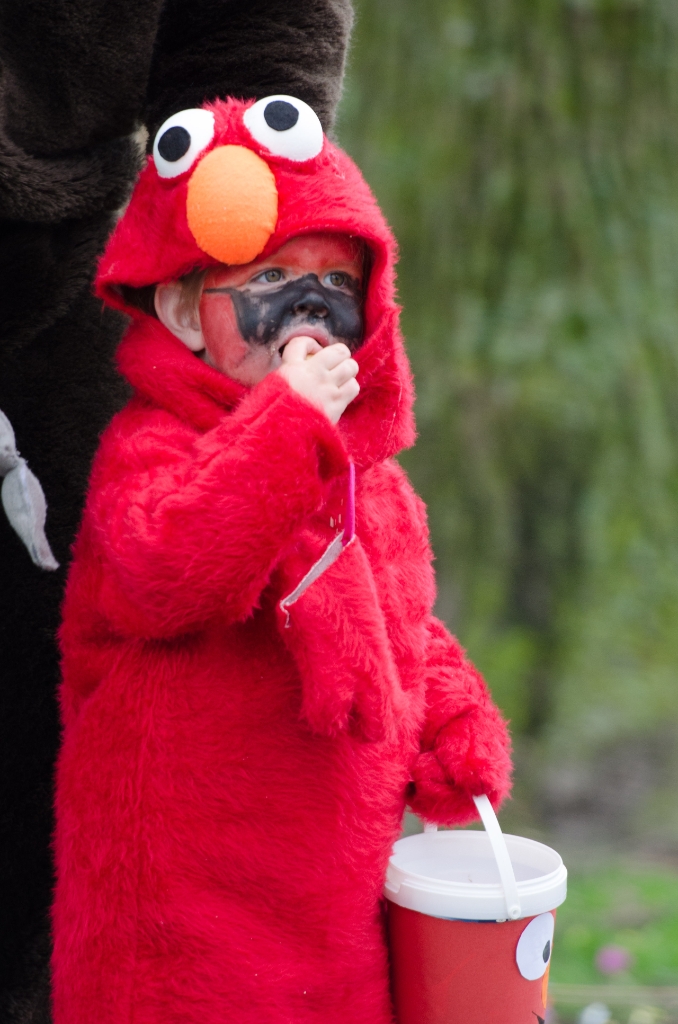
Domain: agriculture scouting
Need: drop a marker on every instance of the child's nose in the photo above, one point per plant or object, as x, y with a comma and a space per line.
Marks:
312, 303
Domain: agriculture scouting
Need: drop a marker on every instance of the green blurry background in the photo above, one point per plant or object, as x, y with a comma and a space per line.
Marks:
526, 154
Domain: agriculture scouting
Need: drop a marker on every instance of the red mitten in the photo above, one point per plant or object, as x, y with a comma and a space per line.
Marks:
337, 635
465, 745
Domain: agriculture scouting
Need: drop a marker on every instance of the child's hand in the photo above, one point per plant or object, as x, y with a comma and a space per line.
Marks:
325, 377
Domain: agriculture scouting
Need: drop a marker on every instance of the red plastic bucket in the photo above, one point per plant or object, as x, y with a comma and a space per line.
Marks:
471, 920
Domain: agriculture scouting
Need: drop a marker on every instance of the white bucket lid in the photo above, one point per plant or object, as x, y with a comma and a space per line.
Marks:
475, 876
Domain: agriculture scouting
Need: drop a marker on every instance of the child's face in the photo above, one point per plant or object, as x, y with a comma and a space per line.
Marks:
311, 287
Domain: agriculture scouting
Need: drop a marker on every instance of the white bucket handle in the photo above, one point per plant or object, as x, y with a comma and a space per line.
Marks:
501, 855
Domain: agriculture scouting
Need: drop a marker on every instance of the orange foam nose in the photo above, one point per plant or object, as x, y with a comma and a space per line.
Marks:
232, 204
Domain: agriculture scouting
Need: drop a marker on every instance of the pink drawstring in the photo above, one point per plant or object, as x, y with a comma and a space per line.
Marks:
349, 526
331, 552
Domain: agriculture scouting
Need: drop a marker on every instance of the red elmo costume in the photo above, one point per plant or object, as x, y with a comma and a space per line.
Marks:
231, 783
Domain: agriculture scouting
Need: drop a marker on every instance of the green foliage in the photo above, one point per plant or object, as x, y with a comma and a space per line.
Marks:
526, 153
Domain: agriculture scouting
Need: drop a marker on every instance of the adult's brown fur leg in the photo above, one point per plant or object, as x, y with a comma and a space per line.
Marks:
77, 78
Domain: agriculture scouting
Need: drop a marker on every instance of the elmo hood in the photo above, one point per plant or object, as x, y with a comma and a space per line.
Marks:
233, 181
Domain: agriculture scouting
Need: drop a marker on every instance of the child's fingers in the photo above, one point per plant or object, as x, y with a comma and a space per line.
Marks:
332, 355
349, 390
299, 349
346, 370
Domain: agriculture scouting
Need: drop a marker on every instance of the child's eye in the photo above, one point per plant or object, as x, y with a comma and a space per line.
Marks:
269, 276
337, 279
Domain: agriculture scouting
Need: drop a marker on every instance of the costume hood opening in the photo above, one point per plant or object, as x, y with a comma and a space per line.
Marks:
234, 180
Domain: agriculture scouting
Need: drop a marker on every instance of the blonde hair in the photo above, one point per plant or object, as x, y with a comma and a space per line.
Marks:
191, 290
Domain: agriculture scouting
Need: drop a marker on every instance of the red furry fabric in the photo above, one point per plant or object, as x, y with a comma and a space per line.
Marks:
464, 743
229, 787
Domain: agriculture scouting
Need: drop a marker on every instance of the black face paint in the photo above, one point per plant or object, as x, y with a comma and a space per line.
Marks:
304, 301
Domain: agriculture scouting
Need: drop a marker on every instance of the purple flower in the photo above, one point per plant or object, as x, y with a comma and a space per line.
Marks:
613, 959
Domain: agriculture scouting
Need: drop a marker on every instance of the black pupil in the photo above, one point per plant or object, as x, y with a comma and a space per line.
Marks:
174, 143
280, 115
547, 952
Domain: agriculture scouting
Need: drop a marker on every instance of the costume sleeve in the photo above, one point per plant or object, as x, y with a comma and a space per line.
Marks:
249, 49
191, 535
74, 78
465, 746
75, 73
338, 636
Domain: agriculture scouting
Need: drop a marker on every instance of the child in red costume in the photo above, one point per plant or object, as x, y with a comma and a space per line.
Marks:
251, 692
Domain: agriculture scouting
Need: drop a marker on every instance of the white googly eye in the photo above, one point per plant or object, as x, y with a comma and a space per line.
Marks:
181, 139
286, 126
533, 953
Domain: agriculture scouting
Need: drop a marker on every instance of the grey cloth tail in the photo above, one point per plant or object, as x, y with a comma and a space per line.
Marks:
23, 499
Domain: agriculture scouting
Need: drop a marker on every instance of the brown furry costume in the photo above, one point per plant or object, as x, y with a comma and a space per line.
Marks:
77, 79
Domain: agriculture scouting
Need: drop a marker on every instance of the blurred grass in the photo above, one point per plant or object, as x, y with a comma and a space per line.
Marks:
635, 907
